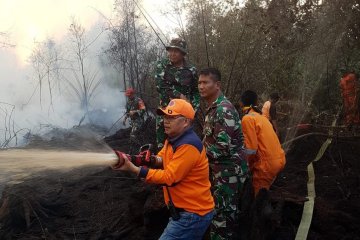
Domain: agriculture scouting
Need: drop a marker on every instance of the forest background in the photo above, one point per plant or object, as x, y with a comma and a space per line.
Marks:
299, 48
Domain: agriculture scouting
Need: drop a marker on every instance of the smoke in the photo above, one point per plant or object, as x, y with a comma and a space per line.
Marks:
20, 105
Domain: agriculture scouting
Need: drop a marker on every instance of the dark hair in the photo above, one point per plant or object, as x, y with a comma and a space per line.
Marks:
249, 98
274, 96
214, 72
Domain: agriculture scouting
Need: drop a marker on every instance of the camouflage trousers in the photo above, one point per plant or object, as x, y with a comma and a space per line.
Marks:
160, 132
226, 188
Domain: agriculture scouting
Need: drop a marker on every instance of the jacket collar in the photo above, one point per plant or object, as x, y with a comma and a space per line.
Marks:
217, 101
251, 111
173, 140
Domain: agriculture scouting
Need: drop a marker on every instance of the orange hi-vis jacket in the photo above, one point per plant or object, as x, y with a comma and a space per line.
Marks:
348, 85
266, 157
186, 173
349, 90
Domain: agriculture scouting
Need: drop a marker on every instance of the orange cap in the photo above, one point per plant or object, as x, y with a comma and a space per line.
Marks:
177, 107
129, 92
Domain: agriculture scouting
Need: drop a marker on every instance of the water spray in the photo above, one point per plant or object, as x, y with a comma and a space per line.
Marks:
18, 164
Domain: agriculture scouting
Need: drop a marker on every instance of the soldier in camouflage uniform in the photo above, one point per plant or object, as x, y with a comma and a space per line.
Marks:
175, 78
135, 110
223, 142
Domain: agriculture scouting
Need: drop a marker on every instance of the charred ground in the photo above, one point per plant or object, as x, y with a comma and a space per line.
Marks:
102, 204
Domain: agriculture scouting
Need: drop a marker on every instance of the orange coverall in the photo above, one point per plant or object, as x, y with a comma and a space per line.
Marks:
265, 156
349, 87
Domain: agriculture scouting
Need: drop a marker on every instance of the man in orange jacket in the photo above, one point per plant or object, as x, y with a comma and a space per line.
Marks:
185, 174
265, 156
349, 91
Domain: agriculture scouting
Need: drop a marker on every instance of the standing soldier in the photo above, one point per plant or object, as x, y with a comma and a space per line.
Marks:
223, 141
175, 78
135, 110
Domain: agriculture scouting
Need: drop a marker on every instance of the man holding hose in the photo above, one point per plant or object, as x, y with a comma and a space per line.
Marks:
184, 174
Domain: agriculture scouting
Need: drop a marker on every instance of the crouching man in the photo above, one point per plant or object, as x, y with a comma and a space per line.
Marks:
265, 156
184, 172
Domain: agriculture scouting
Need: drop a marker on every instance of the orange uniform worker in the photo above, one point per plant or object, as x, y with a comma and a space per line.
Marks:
184, 174
265, 156
349, 90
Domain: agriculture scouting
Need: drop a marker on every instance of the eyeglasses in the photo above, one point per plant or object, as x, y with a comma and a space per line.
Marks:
171, 118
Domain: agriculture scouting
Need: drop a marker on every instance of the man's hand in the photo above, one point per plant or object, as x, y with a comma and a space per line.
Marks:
131, 113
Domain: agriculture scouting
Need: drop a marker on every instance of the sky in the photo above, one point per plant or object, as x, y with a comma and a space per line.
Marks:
28, 21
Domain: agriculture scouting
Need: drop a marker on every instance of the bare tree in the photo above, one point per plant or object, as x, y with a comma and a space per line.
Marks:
133, 49
45, 62
84, 80
4, 40
9, 130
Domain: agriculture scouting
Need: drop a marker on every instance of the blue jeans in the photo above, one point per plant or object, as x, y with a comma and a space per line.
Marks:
190, 226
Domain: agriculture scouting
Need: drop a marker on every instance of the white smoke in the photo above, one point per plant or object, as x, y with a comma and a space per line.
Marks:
20, 106
19, 85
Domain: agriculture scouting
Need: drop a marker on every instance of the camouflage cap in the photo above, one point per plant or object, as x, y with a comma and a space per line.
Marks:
178, 43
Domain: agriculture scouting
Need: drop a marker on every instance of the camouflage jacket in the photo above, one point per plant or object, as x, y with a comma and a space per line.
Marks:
222, 133
172, 81
136, 104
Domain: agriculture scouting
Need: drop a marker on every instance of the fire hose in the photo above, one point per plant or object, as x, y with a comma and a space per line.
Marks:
144, 158
308, 209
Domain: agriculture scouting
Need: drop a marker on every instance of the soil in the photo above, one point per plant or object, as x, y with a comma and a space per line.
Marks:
105, 205
337, 204
83, 204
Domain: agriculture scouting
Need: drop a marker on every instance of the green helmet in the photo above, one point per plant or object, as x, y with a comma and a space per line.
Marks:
178, 43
